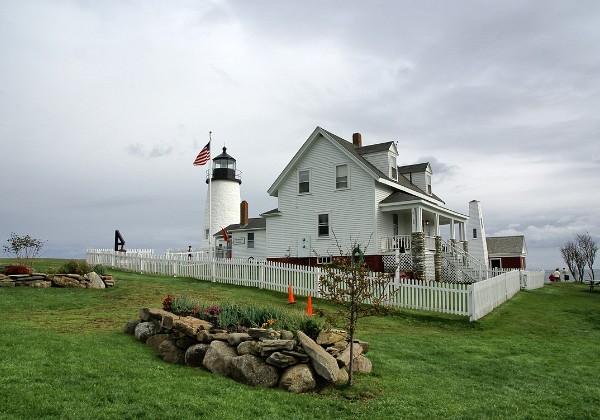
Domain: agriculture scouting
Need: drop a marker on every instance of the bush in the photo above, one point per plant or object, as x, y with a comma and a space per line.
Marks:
16, 269
99, 269
75, 267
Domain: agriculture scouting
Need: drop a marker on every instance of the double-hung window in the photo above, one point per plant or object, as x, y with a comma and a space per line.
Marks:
250, 240
341, 176
323, 225
304, 181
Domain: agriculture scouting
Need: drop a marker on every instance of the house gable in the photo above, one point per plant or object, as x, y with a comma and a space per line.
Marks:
359, 156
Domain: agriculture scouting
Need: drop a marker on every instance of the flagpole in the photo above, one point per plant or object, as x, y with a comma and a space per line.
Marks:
210, 236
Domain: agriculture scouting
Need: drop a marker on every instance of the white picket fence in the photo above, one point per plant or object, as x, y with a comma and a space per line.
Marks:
472, 300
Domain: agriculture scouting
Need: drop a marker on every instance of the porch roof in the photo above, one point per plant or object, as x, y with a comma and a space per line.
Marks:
400, 200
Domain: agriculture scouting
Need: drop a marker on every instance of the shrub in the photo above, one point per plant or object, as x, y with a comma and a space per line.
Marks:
75, 267
99, 269
16, 269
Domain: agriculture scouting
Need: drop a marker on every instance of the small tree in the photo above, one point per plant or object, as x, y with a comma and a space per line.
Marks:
357, 292
569, 253
24, 248
578, 254
588, 249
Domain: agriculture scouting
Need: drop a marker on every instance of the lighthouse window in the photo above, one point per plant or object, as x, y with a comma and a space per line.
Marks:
474, 233
341, 176
250, 239
303, 181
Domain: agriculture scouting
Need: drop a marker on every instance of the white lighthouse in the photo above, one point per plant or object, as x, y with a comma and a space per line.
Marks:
222, 207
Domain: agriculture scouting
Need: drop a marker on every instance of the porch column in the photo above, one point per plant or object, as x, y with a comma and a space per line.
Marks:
437, 225
452, 233
437, 258
417, 245
462, 231
417, 219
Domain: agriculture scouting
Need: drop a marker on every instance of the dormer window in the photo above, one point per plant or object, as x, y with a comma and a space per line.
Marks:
394, 173
428, 181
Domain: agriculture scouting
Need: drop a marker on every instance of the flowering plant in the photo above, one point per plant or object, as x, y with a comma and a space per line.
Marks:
167, 304
212, 312
268, 324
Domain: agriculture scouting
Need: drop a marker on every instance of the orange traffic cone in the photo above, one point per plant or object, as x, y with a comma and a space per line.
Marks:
309, 311
290, 295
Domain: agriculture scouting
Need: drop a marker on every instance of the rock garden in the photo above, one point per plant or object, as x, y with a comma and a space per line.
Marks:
296, 361
75, 274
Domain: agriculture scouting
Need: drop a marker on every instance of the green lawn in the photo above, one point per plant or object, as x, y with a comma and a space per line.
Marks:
63, 355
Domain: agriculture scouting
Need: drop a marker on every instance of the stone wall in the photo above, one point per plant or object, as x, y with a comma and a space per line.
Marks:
87, 281
258, 357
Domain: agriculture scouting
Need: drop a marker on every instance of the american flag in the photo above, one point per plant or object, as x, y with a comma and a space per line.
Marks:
203, 156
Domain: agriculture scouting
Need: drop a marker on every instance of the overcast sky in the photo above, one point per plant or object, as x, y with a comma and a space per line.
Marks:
105, 104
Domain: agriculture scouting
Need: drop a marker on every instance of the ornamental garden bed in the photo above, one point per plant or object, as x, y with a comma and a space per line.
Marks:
256, 356
75, 274
90, 280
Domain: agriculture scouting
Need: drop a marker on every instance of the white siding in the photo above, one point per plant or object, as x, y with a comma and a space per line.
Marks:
380, 160
241, 250
352, 210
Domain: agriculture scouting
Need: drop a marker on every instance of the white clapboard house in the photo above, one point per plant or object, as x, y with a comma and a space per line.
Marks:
336, 194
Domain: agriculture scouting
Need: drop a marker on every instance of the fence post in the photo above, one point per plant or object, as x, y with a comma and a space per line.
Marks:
261, 274
471, 302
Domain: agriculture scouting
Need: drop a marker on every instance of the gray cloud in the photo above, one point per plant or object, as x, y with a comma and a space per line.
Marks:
104, 106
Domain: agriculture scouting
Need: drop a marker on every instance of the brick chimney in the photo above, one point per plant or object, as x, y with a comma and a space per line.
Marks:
357, 139
244, 213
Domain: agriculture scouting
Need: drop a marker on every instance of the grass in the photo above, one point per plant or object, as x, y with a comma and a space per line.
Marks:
63, 355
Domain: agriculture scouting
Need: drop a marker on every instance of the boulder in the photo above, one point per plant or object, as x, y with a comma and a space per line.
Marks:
363, 344
7, 283
94, 281
298, 378
169, 352
185, 342
329, 337
325, 364
156, 340
342, 377
269, 346
252, 370
194, 355
129, 327
144, 330
264, 333
35, 283
218, 358
281, 360
234, 339
249, 347
362, 365
286, 335
65, 281
343, 358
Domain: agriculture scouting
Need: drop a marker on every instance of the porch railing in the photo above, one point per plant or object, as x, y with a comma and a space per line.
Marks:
395, 243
